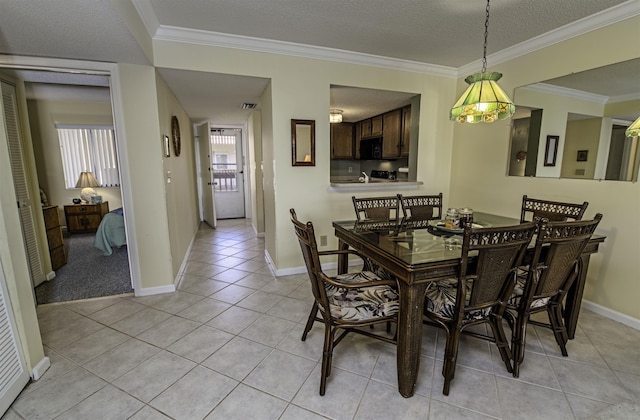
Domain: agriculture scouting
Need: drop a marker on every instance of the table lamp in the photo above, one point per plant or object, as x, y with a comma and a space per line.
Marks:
86, 181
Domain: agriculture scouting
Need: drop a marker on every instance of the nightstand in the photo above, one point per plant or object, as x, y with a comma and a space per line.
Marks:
54, 237
84, 218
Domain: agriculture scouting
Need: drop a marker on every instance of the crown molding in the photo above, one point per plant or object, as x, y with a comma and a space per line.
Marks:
148, 15
570, 93
175, 34
580, 27
217, 39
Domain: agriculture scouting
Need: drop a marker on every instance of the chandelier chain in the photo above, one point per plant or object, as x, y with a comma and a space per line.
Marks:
486, 36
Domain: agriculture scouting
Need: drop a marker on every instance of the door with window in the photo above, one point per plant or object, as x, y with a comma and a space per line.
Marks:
227, 163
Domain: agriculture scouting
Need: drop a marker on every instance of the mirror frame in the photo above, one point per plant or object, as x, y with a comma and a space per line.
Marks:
312, 142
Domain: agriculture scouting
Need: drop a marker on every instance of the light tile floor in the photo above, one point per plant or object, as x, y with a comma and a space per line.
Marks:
227, 346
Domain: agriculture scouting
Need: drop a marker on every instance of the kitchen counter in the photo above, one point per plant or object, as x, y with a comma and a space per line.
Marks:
374, 185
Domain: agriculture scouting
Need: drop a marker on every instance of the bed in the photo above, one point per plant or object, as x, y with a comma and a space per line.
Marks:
111, 232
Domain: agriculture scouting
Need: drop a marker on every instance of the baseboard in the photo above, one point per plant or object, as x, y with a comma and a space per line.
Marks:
150, 291
40, 368
303, 269
611, 314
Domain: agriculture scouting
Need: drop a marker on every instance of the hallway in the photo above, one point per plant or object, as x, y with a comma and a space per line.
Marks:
227, 346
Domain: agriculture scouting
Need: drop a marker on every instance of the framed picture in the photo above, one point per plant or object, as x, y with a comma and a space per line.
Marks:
582, 155
551, 151
165, 146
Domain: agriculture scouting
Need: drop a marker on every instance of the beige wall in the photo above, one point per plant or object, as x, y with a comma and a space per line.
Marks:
181, 194
480, 153
581, 135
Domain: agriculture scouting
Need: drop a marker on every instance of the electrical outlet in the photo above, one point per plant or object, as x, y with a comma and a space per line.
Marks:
350, 169
323, 240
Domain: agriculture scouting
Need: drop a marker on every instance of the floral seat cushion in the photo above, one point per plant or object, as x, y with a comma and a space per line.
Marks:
362, 303
514, 300
440, 299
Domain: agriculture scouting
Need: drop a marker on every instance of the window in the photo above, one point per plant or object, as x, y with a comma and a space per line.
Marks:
89, 149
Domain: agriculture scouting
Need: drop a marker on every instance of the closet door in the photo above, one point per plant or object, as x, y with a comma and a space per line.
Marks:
13, 372
14, 138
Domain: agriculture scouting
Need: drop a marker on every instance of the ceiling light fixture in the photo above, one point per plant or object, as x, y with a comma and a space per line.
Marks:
335, 115
484, 100
634, 129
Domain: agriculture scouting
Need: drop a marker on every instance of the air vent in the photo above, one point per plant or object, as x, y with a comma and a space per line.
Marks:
248, 106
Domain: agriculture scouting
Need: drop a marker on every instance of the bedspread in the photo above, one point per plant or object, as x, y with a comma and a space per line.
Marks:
110, 233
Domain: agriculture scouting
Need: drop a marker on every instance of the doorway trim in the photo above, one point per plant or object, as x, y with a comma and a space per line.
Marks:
73, 66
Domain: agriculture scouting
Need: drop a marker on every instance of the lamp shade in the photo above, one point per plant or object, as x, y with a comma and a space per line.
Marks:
86, 179
483, 101
634, 129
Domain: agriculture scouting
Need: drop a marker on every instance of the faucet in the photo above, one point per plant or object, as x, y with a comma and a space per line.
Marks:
365, 177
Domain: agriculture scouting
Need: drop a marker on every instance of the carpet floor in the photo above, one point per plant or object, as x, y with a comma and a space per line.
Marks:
87, 274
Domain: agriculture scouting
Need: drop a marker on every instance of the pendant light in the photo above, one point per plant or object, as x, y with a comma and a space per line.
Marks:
335, 116
484, 100
634, 129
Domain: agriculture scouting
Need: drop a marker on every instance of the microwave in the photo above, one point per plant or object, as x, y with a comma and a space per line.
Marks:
371, 149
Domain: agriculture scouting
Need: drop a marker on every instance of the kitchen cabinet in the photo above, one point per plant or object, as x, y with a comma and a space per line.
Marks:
377, 126
365, 129
55, 240
392, 134
84, 218
342, 141
406, 132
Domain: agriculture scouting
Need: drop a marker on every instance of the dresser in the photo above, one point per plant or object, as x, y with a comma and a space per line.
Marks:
84, 218
57, 251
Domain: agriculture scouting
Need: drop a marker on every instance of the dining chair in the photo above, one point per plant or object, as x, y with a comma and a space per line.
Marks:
345, 302
554, 211
555, 263
488, 265
421, 207
376, 208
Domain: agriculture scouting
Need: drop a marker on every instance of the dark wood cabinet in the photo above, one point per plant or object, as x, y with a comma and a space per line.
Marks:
365, 129
84, 218
405, 139
55, 240
342, 141
377, 126
392, 134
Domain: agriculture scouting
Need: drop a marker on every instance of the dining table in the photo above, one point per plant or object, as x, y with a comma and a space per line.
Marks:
418, 252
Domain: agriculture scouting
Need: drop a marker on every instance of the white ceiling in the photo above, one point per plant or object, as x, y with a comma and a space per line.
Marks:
444, 35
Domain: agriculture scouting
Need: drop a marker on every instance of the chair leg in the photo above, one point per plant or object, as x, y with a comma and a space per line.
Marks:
327, 351
557, 325
311, 320
518, 340
501, 341
450, 357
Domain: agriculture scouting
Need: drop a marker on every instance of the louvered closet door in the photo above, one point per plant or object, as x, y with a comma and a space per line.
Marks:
12, 126
13, 372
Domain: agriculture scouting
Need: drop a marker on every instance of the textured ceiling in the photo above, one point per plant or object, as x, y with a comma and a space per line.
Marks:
437, 32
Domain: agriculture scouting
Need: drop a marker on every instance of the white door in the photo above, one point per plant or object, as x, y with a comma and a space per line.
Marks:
13, 372
11, 123
227, 162
206, 175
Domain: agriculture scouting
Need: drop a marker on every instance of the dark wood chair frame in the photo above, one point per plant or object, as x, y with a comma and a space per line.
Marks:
376, 208
554, 267
306, 236
493, 275
421, 207
553, 211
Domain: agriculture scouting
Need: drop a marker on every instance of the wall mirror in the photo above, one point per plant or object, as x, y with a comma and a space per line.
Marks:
303, 142
585, 115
